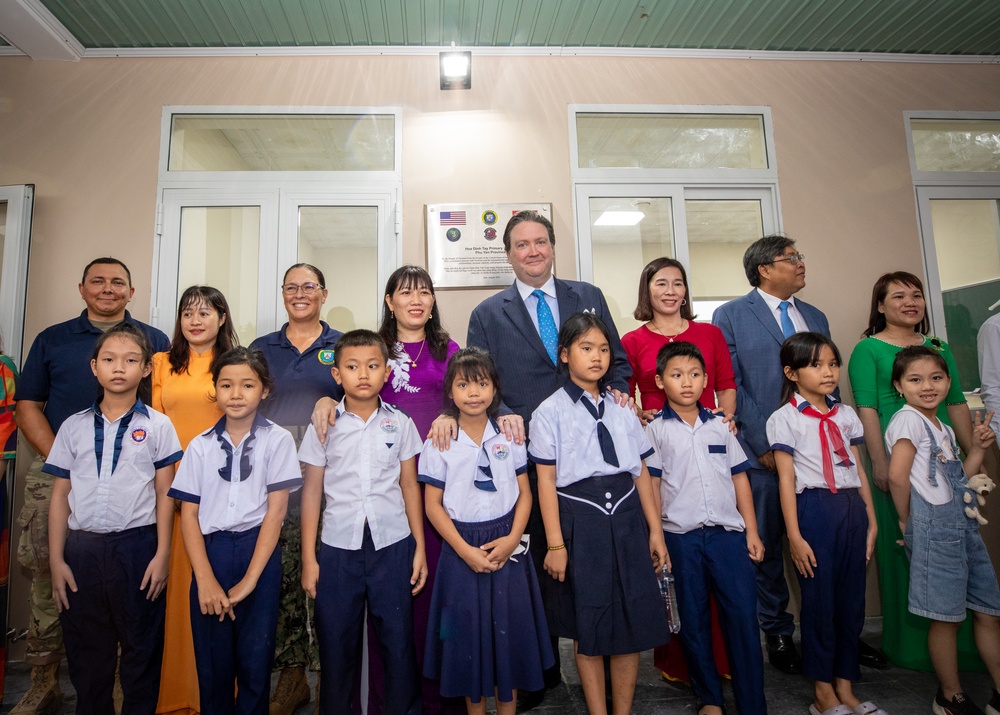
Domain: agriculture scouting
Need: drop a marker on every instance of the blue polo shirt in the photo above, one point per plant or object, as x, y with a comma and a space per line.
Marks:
57, 371
300, 379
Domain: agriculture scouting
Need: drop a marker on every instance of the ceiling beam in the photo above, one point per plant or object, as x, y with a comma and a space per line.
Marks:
34, 30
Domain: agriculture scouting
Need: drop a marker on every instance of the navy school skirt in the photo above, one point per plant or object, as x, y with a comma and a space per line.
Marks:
486, 630
610, 602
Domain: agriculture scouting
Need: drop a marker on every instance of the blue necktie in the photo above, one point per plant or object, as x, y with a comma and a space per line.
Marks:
604, 437
546, 325
787, 326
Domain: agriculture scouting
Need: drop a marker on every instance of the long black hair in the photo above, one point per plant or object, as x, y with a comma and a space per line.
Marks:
414, 278
180, 350
799, 351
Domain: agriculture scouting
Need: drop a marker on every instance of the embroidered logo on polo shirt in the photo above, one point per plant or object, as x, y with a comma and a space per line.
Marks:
389, 425
501, 451
139, 435
325, 357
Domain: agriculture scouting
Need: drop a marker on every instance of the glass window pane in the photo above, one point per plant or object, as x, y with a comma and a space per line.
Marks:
291, 142
342, 241
967, 239
219, 248
671, 141
621, 250
956, 144
719, 233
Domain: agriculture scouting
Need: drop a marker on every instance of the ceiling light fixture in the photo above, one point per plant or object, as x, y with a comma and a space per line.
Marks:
456, 69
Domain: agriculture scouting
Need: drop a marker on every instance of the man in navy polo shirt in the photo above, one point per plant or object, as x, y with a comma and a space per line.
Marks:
56, 382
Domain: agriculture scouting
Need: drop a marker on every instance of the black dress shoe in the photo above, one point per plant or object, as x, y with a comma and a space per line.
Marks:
529, 699
871, 657
783, 655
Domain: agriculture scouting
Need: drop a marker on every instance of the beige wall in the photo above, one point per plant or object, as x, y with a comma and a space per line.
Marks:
87, 135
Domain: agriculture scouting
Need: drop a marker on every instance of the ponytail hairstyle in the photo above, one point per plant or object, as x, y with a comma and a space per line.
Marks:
128, 331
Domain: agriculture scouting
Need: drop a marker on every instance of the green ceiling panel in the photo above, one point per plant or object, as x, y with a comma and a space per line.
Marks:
913, 26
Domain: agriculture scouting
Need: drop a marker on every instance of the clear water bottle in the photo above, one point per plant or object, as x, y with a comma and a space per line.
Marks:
669, 594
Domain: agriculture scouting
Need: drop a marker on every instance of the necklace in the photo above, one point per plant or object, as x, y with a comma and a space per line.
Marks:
413, 360
670, 338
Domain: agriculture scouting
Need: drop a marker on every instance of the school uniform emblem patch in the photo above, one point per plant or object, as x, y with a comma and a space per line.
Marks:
501, 451
325, 357
139, 435
389, 425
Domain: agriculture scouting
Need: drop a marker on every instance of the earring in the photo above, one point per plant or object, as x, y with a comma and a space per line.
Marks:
684, 301
392, 315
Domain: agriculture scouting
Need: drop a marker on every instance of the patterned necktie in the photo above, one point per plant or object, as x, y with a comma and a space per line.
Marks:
546, 325
834, 436
604, 437
787, 326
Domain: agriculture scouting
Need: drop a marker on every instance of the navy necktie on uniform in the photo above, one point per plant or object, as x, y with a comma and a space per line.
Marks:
603, 435
546, 325
787, 326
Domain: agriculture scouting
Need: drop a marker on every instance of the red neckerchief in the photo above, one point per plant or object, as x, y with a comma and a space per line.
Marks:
834, 436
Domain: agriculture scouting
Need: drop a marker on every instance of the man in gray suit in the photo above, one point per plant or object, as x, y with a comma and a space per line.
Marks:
510, 325
755, 326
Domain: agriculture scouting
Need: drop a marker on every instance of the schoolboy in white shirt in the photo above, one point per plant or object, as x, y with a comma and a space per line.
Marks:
372, 550
699, 476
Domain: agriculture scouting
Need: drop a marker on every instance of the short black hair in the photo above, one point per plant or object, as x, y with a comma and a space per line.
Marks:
908, 356
471, 364
129, 331
252, 358
762, 252
104, 261
359, 339
681, 348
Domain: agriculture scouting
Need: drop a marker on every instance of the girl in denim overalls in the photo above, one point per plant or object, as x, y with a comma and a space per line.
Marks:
950, 570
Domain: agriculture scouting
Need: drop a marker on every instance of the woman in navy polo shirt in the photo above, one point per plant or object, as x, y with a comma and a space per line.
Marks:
299, 357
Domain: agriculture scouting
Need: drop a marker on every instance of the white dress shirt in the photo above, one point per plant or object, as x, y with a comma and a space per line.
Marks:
696, 465
774, 303
564, 433
111, 466
531, 302
457, 471
230, 482
361, 479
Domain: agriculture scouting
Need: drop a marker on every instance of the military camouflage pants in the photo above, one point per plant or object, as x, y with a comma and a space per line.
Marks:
293, 645
45, 639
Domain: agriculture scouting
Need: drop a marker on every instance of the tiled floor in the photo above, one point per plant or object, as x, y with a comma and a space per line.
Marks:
898, 691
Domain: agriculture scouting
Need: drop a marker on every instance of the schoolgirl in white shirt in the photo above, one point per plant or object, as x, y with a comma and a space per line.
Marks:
829, 518
110, 523
601, 519
487, 635
233, 484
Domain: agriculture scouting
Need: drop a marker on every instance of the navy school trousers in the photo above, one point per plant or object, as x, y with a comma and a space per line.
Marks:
350, 580
239, 651
109, 611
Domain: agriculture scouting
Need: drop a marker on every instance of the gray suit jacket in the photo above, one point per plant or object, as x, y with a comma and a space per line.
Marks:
755, 339
501, 325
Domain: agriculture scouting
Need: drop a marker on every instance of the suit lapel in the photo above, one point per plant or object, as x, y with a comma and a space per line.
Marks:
568, 300
517, 314
760, 308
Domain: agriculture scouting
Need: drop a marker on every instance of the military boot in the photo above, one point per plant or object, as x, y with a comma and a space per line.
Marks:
291, 692
44, 696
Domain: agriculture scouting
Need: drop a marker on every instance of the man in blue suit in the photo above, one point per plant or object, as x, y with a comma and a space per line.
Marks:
511, 325
755, 326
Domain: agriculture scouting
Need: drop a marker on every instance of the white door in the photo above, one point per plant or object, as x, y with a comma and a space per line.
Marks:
15, 231
241, 240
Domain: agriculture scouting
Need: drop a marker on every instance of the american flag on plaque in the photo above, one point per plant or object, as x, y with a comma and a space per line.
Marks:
465, 243
452, 218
